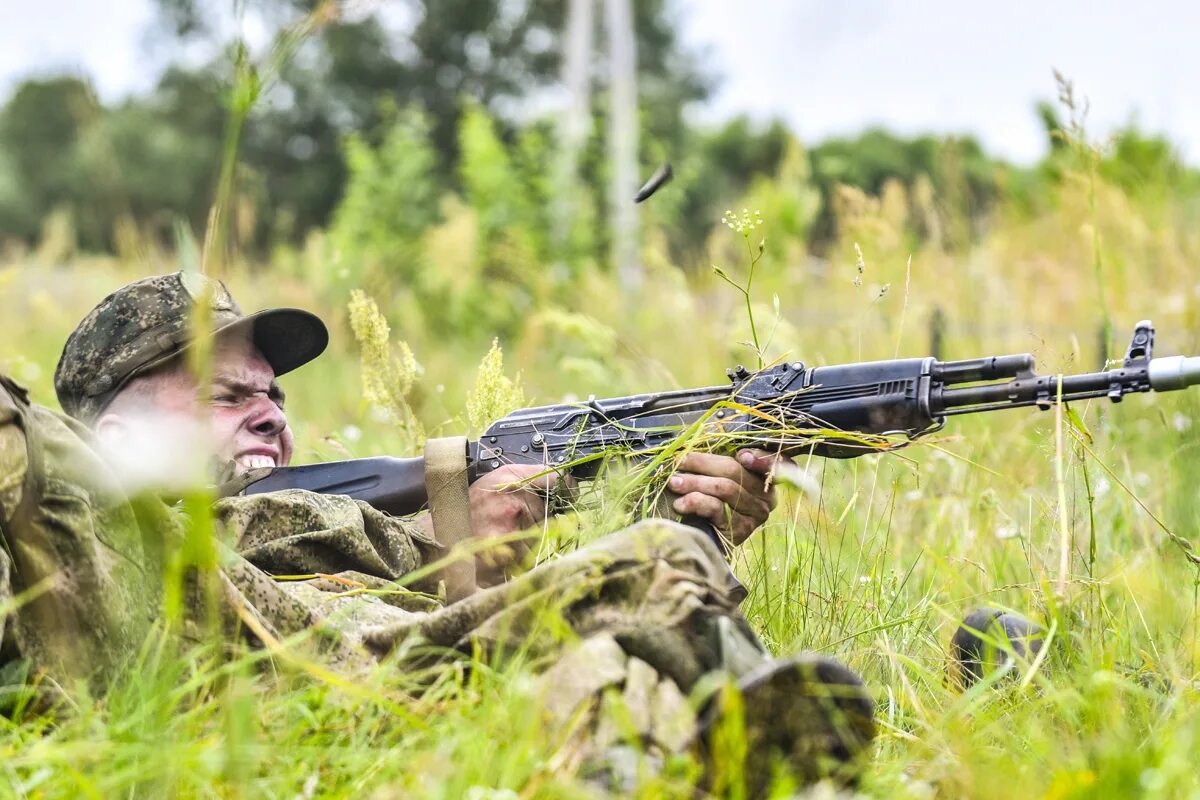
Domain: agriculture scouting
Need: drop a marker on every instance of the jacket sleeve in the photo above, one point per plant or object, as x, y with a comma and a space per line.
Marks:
296, 532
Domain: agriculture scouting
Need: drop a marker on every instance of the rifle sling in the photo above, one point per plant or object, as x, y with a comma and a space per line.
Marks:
449, 504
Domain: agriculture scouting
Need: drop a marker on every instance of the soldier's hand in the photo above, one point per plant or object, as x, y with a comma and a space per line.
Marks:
732, 493
505, 501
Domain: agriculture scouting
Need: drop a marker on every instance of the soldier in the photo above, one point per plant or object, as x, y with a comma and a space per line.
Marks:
650, 610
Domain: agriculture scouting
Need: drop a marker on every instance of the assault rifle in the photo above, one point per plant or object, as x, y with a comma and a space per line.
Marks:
837, 411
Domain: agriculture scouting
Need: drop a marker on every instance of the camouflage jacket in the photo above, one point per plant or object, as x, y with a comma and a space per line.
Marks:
82, 564
643, 613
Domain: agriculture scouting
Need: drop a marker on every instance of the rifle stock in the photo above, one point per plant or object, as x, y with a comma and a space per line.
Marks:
394, 485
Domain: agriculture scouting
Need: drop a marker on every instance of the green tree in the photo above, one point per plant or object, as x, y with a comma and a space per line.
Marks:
962, 174
497, 54
39, 128
391, 197
154, 158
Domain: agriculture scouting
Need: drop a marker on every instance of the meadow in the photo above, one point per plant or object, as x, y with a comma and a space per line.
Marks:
872, 560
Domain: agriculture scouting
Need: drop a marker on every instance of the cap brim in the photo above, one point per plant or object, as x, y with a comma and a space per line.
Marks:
287, 337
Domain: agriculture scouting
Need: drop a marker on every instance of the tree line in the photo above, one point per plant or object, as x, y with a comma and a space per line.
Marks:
364, 114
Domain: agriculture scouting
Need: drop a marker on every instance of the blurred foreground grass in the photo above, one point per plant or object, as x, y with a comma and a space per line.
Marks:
873, 562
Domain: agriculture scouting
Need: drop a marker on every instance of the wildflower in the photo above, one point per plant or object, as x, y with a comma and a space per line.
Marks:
742, 223
388, 378
494, 394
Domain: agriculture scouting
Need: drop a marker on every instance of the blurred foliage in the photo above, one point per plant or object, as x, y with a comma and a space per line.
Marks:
390, 199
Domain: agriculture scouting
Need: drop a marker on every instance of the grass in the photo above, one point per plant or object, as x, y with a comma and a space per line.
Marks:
872, 561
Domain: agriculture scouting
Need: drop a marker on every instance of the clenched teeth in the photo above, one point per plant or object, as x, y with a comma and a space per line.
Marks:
255, 461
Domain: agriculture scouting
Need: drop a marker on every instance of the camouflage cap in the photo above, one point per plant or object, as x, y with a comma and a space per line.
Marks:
146, 323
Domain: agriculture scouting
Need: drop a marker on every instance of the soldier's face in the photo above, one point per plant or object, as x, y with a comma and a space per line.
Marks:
154, 431
249, 427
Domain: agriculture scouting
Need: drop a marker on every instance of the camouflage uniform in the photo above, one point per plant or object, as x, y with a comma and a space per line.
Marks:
77, 577
648, 611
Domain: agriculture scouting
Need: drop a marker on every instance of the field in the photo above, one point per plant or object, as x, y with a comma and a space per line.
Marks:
872, 561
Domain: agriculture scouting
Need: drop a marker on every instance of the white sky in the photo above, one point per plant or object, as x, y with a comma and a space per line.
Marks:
830, 67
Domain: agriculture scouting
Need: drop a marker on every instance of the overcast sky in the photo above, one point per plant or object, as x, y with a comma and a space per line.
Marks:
828, 67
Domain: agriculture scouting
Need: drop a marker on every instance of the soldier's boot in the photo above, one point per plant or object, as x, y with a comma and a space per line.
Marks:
991, 640
808, 715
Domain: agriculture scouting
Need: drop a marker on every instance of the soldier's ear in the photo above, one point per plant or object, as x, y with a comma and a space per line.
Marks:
111, 428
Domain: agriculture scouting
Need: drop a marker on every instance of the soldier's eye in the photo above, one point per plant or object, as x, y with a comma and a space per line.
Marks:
224, 398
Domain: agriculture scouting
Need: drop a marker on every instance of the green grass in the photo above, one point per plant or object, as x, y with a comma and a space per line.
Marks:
873, 563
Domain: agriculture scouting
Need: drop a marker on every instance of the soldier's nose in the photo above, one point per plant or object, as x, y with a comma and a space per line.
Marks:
268, 420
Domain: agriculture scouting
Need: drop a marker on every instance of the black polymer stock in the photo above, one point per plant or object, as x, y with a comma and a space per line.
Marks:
836, 412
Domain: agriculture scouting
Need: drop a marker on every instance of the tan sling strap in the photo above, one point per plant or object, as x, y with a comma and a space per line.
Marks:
449, 504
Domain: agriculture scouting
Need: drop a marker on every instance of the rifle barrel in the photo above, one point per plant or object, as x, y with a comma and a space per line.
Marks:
1026, 391
1160, 374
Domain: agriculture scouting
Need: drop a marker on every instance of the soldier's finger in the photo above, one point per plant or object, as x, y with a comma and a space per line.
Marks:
710, 464
758, 461
739, 498
721, 467
703, 505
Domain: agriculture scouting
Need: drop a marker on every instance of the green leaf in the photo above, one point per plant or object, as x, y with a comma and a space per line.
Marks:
1077, 423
